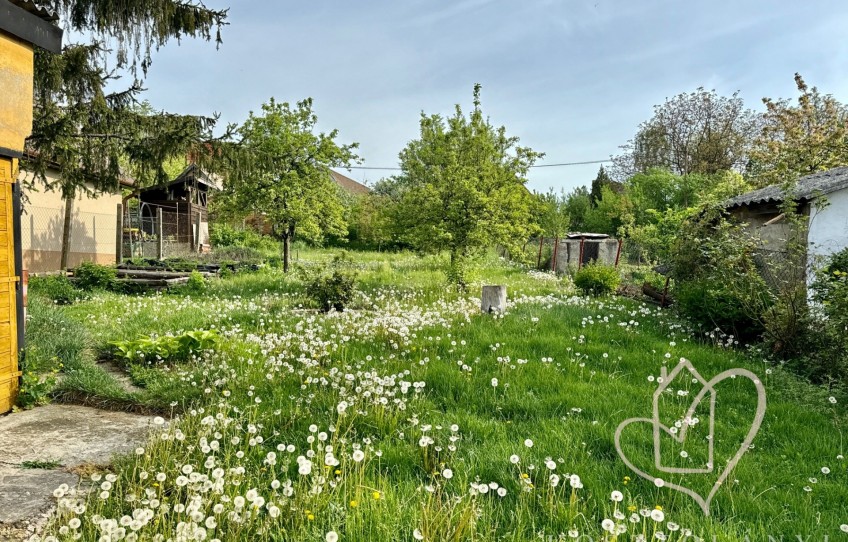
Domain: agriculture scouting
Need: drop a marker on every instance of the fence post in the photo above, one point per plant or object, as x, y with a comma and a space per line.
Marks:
539, 258
554, 256
119, 235
197, 232
160, 243
618, 253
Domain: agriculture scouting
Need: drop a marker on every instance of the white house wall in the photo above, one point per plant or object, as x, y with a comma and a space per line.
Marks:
828, 226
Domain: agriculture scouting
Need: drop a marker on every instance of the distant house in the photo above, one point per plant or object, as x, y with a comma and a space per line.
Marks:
349, 185
184, 203
93, 224
821, 197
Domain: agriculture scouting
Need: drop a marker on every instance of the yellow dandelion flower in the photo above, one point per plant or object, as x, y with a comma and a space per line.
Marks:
376, 495
354, 504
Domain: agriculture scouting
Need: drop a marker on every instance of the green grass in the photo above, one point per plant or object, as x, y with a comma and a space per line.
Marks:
413, 358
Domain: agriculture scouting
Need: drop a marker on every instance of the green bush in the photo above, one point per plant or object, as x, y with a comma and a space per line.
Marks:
711, 304
56, 288
224, 235
334, 287
826, 359
237, 254
597, 279
196, 283
91, 276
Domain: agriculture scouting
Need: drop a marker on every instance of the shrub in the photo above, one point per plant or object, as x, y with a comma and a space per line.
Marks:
711, 304
196, 283
597, 279
91, 276
333, 288
243, 255
56, 288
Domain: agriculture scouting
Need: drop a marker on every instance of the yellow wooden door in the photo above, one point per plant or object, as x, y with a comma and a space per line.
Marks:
9, 372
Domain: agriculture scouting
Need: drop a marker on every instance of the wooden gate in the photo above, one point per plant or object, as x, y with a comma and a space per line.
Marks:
9, 372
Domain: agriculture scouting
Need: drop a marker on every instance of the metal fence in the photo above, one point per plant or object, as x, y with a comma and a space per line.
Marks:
92, 238
160, 231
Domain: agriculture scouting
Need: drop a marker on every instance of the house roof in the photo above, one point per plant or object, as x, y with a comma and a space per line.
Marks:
33, 22
349, 185
202, 177
807, 188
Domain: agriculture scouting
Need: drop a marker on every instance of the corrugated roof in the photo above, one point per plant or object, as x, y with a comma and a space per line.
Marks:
42, 8
821, 183
351, 186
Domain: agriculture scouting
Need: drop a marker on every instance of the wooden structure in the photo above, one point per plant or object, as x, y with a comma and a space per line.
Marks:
183, 204
23, 25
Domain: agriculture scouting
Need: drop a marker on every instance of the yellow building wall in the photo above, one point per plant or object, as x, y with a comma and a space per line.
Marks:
16, 68
16, 73
93, 228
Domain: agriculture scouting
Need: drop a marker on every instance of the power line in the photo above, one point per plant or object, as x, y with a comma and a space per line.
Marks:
561, 164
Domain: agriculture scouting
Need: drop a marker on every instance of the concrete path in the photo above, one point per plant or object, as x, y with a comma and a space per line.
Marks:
39, 449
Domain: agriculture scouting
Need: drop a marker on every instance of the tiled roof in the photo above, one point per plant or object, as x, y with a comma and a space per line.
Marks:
821, 183
350, 186
42, 8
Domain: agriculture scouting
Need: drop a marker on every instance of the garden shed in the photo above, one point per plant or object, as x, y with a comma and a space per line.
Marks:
579, 249
822, 198
23, 26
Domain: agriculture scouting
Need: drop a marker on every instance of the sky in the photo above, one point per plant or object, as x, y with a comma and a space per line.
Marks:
570, 78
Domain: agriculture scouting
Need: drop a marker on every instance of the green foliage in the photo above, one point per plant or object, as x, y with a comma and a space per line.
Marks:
56, 288
280, 171
165, 348
712, 304
603, 180
91, 276
462, 188
825, 356
597, 279
796, 140
613, 212
222, 235
35, 389
196, 283
334, 286
555, 219
577, 204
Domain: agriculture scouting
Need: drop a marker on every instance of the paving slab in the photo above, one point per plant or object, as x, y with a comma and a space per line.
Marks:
66, 436
70, 435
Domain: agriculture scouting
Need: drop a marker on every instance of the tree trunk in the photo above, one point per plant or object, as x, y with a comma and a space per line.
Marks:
66, 229
286, 251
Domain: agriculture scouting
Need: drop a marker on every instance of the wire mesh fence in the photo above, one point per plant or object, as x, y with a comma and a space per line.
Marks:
164, 230
91, 238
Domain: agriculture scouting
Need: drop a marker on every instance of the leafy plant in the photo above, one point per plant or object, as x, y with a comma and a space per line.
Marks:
196, 283
597, 279
92, 276
35, 388
334, 288
165, 348
56, 288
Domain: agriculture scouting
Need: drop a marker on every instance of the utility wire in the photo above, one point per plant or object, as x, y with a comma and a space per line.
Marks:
538, 165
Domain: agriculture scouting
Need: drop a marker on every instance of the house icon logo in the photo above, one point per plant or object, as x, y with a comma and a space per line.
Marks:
678, 429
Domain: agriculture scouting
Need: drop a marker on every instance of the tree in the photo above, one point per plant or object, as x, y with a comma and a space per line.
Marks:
611, 215
462, 188
85, 131
796, 140
554, 219
698, 132
578, 202
603, 179
279, 169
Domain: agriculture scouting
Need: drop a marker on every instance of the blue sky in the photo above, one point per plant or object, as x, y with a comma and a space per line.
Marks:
571, 78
